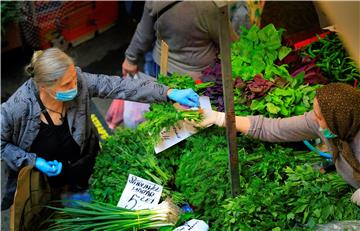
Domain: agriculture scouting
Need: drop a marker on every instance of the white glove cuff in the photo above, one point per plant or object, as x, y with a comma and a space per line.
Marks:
220, 119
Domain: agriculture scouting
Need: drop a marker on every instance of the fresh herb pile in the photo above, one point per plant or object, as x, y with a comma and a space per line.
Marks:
303, 199
203, 175
123, 153
278, 186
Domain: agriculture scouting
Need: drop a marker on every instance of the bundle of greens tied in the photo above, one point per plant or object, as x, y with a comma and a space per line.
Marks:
162, 116
100, 216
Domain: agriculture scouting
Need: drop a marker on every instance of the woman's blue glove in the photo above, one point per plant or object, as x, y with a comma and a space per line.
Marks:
186, 97
50, 168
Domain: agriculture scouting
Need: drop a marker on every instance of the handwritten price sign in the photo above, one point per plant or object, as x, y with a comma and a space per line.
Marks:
193, 225
140, 194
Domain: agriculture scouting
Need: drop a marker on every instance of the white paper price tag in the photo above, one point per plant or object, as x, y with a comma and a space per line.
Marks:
193, 225
181, 131
140, 194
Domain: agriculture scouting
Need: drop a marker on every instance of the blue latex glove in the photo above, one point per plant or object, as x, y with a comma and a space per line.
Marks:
186, 97
50, 168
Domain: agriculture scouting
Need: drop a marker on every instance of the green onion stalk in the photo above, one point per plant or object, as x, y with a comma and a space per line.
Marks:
101, 216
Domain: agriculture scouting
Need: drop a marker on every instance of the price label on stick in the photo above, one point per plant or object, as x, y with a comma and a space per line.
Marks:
140, 194
181, 131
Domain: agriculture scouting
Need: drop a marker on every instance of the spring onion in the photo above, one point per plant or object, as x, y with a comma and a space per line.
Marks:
101, 216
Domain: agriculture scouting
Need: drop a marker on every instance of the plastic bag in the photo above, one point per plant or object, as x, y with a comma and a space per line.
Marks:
115, 113
339, 225
134, 113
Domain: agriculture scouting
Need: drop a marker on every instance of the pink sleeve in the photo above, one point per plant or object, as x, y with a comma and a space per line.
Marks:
296, 128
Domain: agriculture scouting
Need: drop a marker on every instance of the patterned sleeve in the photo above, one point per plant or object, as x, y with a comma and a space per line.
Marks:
13, 155
144, 89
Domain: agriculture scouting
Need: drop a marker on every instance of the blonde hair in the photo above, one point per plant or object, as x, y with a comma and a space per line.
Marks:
47, 66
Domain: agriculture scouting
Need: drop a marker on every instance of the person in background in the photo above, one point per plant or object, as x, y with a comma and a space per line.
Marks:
46, 122
189, 28
335, 118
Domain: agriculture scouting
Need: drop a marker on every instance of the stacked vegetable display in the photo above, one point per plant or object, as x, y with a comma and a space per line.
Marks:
281, 188
267, 73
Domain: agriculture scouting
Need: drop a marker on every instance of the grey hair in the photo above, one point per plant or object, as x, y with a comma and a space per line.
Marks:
47, 66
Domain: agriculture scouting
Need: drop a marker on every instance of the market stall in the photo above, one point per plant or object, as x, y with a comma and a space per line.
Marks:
268, 186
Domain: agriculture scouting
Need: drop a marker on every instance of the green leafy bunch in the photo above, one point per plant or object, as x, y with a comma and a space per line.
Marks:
123, 153
162, 116
285, 102
305, 199
177, 81
262, 170
256, 52
203, 175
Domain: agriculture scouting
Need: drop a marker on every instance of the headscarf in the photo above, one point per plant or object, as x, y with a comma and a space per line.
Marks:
340, 106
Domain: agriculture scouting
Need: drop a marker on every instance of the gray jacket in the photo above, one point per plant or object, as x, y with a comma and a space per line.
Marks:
20, 115
298, 128
190, 29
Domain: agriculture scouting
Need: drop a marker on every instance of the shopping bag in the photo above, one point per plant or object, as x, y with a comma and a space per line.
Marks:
32, 194
134, 113
115, 113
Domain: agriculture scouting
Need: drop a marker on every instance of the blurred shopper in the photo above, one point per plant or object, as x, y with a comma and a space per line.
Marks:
335, 118
46, 122
191, 31
189, 28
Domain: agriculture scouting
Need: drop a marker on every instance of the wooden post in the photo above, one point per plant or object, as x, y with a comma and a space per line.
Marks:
164, 55
228, 82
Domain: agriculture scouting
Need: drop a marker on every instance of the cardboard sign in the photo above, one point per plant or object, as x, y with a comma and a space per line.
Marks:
180, 131
193, 225
140, 194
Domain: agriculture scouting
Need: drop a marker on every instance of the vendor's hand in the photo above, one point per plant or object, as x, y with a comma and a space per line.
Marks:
186, 97
355, 198
50, 168
128, 68
211, 117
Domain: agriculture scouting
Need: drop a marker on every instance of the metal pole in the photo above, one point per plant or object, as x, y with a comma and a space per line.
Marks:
225, 54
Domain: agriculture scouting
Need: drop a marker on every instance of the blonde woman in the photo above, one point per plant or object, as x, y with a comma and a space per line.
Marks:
46, 122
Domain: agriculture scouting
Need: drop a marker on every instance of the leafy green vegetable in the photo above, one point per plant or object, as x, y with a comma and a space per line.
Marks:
256, 52
123, 153
162, 116
286, 102
178, 81
304, 199
203, 175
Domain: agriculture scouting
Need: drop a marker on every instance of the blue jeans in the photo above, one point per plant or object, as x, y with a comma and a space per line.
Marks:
150, 67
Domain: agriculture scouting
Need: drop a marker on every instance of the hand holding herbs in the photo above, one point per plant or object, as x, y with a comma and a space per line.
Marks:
162, 116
